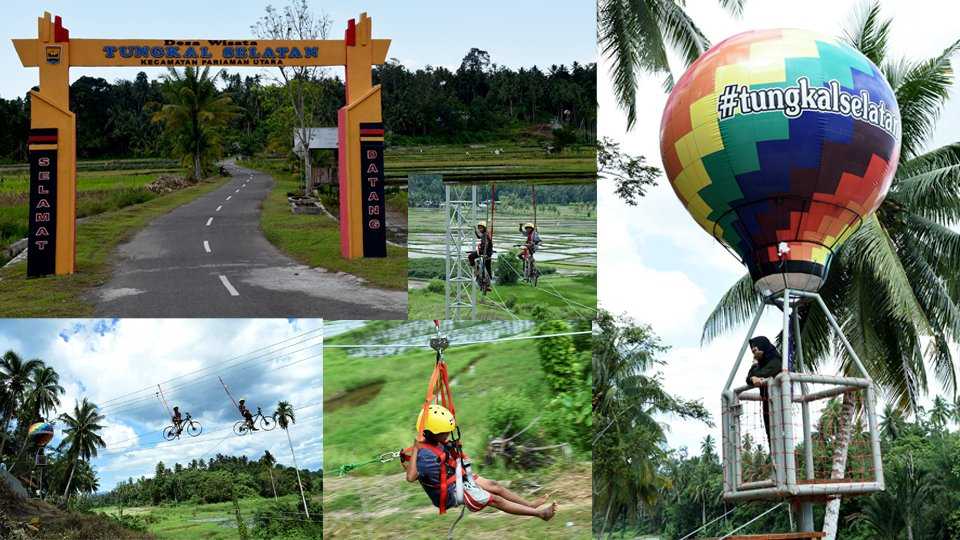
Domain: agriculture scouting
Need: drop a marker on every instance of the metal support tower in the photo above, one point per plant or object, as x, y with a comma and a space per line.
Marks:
785, 390
460, 289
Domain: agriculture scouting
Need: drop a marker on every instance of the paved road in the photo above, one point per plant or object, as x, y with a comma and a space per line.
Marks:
208, 258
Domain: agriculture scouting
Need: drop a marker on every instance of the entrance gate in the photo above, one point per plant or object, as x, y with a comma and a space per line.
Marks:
52, 141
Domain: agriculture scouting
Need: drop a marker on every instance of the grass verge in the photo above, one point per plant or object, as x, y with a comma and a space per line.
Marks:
314, 239
69, 296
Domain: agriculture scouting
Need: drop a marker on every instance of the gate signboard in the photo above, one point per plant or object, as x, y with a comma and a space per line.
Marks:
54, 52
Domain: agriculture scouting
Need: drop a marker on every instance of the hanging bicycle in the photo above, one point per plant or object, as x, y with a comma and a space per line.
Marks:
191, 426
266, 423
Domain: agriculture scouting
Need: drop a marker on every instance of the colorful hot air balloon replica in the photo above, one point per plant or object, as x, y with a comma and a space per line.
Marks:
40, 433
779, 143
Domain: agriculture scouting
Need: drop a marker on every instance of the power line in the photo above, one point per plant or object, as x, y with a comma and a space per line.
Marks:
148, 401
150, 388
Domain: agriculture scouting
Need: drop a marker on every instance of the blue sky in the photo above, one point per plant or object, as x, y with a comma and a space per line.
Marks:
535, 32
656, 264
117, 363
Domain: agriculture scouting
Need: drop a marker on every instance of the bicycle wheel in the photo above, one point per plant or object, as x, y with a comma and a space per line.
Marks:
194, 429
169, 433
534, 273
240, 428
267, 423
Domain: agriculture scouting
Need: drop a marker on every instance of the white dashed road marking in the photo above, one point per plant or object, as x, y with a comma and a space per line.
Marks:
229, 197
219, 207
206, 246
209, 221
226, 283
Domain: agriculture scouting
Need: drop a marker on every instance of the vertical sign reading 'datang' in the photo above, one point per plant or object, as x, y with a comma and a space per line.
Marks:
41, 247
374, 207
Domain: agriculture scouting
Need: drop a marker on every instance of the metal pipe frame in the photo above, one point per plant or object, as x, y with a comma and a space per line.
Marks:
784, 483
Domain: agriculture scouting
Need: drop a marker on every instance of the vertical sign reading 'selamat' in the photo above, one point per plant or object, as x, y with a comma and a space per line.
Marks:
42, 231
374, 207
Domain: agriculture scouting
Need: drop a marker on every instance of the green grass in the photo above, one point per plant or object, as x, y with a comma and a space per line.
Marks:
555, 297
189, 521
97, 192
377, 498
62, 296
314, 240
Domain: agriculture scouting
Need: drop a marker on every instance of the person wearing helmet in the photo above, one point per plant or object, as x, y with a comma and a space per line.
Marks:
532, 241
242, 405
435, 459
484, 249
177, 420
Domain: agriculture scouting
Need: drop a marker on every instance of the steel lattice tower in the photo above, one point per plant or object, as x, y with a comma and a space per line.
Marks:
460, 289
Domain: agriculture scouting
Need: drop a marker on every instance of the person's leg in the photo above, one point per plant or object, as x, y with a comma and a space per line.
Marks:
496, 488
510, 507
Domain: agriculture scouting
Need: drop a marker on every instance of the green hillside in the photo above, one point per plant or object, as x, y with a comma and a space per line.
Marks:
370, 407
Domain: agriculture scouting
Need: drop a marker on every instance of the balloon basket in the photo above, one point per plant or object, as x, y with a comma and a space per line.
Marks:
802, 437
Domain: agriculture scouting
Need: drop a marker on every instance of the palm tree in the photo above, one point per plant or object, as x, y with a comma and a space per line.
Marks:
15, 374
82, 437
892, 423
284, 416
269, 461
626, 403
636, 36
896, 282
43, 397
192, 111
939, 414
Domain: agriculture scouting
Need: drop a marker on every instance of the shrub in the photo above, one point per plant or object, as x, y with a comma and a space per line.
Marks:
508, 267
436, 286
558, 356
508, 414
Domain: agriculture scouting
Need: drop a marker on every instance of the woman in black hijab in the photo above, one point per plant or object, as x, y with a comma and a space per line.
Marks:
766, 363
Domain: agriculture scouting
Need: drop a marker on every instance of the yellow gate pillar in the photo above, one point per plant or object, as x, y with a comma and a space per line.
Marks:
360, 147
52, 144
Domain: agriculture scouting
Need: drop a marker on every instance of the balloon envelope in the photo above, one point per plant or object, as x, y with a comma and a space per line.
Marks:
40, 433
779, 143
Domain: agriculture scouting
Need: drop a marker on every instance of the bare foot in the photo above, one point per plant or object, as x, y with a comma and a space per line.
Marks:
548, 512
542, 500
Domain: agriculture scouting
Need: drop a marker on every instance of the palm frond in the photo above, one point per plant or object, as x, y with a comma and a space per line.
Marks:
868, 33
735, 307
921, 94
876, 253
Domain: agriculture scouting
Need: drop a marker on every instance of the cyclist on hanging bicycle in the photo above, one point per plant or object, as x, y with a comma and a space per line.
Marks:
433, 462
177, 420
532, 242
247, 415
485, 250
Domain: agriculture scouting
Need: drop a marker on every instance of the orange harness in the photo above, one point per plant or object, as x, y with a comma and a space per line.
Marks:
439, 390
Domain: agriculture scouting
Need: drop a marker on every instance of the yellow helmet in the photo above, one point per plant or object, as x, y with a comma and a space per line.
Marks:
482, 224
528, 226
439, 420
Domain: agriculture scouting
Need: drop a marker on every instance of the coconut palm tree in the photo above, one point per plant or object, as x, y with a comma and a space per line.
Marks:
636, 36
896, 282
939, 414
284, 417
15, 375
892, 423
627, 399
193, 110
269, 461
82, 438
